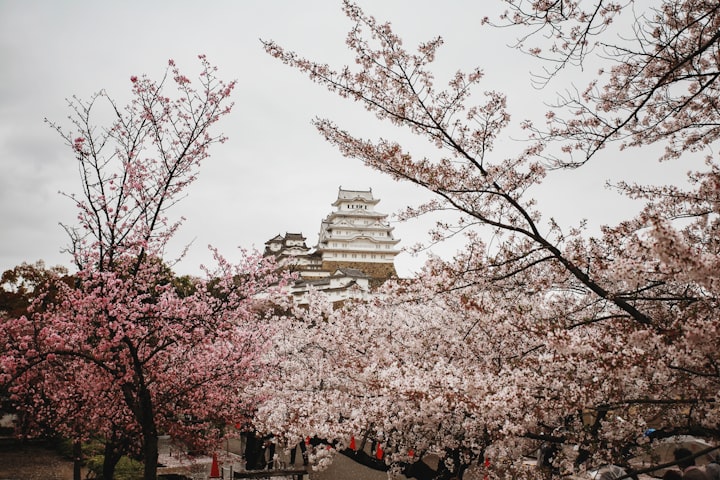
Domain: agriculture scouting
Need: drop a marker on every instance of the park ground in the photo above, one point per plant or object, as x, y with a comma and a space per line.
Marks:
33, 462
39, 462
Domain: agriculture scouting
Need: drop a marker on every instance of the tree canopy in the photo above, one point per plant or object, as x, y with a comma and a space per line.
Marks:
594, 346
126, 351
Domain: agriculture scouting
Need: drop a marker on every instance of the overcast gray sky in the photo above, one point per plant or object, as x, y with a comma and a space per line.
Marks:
275, 174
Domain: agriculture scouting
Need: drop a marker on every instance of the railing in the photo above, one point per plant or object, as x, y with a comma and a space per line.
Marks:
295, 473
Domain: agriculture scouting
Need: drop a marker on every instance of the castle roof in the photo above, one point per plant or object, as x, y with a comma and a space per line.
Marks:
276, 239
365, 196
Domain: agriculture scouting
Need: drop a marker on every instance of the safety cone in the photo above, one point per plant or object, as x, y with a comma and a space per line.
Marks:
215, 468
352, 444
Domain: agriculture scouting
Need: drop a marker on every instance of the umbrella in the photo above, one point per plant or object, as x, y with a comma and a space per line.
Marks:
662, 451
608, 472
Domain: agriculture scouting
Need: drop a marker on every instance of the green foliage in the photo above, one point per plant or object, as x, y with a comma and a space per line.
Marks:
184, 285
89, 449
20, 285
126, 468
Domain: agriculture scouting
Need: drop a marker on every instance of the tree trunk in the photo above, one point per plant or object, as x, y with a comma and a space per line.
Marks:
150, 457
112, 453
77, 459
149, 433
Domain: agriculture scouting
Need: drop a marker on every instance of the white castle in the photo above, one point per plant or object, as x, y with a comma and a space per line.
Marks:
355, 250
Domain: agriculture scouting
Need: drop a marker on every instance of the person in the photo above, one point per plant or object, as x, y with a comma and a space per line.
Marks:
254, 452
259, 451
672, 475
303, 451
712, 469
268, 445
686, 462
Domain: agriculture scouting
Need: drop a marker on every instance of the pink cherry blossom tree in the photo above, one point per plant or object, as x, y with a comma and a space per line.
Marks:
127, 351
549, 335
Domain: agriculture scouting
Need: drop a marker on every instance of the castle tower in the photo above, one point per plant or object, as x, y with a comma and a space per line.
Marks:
291, 252
356, 236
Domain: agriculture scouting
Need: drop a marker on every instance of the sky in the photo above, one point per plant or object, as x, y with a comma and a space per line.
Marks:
275, 174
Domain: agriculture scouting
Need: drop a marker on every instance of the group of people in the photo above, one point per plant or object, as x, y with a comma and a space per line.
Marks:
260, 451
689, 470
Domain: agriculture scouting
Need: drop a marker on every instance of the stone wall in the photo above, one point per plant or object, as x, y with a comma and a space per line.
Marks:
374, 270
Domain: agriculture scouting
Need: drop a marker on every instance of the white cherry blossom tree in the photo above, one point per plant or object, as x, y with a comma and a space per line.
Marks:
549, 335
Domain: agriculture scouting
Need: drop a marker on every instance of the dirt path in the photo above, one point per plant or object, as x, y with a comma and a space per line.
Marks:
33, 462
36, 462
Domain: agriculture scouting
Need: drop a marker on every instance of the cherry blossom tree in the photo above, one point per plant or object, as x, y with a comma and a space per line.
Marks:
550, 335
658, 87
127, 351
394, 370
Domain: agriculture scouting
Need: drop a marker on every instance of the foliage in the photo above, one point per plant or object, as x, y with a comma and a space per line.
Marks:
126, 469
91, 448
19, 286
549, 335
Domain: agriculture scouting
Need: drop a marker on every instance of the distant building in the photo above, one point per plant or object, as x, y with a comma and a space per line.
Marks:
291, 252
356, 249
341, 285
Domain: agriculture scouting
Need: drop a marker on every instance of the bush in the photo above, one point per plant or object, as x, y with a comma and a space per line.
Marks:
89, 449
126, 469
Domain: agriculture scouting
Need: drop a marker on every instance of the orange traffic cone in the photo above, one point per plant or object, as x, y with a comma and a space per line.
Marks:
215, 468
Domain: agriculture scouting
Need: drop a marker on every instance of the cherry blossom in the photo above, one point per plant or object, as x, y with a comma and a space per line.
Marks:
127, 351
589, 347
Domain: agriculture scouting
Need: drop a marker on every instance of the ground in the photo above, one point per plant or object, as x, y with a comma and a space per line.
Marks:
33, 462
37, 462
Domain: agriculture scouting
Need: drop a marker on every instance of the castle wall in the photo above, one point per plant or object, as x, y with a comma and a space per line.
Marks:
373, 270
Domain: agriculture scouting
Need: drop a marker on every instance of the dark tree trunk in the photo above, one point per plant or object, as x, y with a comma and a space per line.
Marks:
77, 460
149, 433
150, 457
139, 399
113, 453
